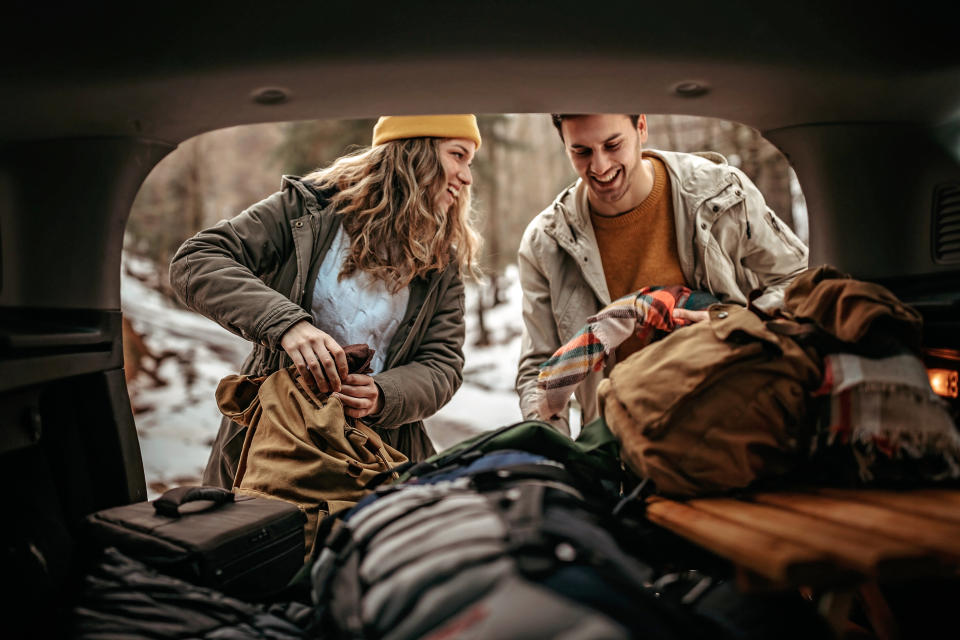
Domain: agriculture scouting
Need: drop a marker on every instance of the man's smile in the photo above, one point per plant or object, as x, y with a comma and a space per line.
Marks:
608, 181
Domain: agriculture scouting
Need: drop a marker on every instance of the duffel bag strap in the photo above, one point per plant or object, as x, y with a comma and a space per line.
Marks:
169, 503
393, 472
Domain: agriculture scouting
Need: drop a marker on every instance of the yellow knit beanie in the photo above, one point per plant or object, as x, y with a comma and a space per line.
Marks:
398, 127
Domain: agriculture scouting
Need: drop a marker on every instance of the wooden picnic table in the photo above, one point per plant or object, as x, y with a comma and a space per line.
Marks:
837, 541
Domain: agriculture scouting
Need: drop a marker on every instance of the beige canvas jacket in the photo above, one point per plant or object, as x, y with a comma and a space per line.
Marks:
729, 243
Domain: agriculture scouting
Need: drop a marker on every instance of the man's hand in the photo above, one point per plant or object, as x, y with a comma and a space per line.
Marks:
691, 316
360, 395
316, 355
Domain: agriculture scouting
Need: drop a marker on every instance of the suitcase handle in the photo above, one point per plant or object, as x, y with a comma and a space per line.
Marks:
169, 503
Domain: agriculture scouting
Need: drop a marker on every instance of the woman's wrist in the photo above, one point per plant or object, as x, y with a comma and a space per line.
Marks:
378, 403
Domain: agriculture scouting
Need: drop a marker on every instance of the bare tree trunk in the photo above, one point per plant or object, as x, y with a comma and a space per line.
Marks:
670, 130
497, 297
194, 194
483, 335
494, 160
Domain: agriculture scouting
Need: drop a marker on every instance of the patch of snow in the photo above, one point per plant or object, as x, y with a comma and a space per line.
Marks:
176, 415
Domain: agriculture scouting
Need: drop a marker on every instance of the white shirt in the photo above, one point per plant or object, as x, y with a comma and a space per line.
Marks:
357, 309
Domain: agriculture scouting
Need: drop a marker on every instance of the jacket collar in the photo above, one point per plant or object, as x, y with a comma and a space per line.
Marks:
572, 230
314, 200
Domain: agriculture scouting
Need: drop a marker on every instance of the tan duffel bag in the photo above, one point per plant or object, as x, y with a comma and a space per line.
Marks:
300, 446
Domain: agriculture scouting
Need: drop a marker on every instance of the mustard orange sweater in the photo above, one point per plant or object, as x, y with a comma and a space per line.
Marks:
638, 248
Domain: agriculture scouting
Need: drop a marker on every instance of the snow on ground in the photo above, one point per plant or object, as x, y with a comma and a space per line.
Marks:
178, 418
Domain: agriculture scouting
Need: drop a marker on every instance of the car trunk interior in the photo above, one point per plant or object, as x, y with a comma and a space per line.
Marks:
868, 132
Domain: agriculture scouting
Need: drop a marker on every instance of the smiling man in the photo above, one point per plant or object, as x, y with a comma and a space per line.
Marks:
638, 218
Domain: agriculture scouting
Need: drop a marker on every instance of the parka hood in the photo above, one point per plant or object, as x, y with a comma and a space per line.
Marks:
314, 199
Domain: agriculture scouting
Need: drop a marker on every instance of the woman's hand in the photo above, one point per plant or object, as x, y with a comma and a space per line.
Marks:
360, 395
316, 355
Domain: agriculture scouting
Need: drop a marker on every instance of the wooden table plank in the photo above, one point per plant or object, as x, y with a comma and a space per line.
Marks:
869, 553
774, 558
942, 504
937, 535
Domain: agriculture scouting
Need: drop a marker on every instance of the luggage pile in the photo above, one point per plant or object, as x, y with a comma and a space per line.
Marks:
724, 404
515, 533
491, 542
521, 532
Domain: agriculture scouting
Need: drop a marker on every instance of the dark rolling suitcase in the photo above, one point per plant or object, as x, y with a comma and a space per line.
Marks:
244, 546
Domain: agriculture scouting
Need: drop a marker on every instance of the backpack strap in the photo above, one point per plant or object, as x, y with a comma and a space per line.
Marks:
522, 508
337, 557
331, 549
489, 479
635, 502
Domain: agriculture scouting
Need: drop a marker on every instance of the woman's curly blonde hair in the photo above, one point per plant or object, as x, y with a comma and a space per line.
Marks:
386, 194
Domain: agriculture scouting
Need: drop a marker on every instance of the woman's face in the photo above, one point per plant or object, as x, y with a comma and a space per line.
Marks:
456, 154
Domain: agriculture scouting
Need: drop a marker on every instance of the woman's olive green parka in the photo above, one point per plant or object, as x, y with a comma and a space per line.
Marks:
254, 275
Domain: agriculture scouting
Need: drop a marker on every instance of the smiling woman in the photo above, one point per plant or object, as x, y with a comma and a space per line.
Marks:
369, 250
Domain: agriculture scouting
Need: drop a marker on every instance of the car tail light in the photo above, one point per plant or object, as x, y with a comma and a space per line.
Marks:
944, 382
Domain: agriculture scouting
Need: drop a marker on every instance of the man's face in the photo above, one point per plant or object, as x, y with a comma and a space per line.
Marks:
605, 150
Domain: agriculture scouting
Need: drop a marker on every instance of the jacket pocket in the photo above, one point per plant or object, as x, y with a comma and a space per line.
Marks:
787, 236
719, 204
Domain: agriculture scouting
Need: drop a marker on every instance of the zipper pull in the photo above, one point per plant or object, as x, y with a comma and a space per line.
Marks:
773, 223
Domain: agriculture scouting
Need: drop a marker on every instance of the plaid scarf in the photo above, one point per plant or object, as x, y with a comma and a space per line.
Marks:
884, 414
647, 313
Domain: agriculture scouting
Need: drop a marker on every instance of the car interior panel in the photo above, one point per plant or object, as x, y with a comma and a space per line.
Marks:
866, 108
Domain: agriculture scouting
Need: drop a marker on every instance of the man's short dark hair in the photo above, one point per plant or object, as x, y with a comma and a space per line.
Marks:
559, 117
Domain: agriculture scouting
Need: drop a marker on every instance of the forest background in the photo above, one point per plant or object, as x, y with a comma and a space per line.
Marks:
173, 360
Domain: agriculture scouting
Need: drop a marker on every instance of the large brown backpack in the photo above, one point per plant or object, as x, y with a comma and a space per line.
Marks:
713, 406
